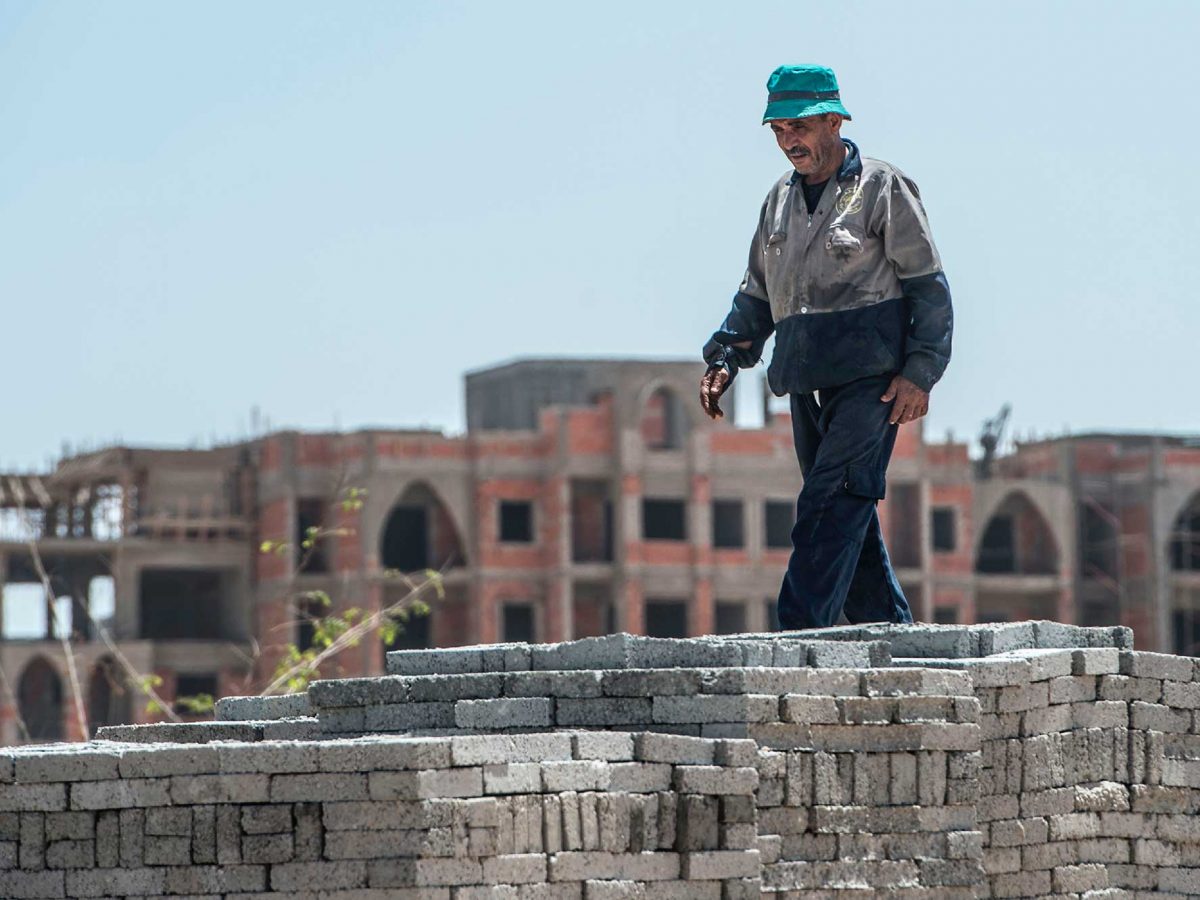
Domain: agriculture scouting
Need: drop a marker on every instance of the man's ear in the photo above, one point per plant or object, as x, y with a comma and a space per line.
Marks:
835, 122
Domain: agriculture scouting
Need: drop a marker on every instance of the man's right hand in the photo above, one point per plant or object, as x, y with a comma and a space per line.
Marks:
712, 386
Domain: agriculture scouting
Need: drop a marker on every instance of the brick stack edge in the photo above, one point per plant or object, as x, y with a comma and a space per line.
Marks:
1022, 760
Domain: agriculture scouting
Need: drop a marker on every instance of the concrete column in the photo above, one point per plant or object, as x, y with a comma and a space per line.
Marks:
924, 512
3, 581
754, 519
373, 652
126, 590
560, 600
628, 538
631, 614
702, 608
1065, 603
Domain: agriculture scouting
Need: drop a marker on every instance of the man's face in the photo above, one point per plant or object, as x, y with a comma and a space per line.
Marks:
811, 144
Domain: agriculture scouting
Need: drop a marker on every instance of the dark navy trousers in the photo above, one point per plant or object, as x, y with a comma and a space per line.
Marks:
838, 561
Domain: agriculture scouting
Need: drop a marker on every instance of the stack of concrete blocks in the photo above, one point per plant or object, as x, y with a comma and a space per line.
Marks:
1090, 772
1016, 760
470, 817
1089, 768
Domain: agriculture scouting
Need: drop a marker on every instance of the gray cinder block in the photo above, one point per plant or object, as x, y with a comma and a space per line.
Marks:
281, 706
508, 712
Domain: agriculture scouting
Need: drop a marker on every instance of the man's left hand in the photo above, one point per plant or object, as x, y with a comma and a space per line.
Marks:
911, 401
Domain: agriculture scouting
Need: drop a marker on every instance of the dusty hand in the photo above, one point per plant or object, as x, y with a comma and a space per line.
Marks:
712, 386
911, 401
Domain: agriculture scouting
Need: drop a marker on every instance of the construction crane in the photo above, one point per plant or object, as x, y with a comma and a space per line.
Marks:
989, 440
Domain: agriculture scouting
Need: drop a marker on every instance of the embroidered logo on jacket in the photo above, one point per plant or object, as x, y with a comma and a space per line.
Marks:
850, 201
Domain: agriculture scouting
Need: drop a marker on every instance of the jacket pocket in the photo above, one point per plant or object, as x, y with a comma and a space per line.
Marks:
844, 241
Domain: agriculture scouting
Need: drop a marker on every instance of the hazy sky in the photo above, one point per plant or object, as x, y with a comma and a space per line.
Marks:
332, 210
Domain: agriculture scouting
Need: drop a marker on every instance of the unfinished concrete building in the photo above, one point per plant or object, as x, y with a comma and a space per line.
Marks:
586, 497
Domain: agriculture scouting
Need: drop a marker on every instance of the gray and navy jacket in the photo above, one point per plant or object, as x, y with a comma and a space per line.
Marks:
854, 289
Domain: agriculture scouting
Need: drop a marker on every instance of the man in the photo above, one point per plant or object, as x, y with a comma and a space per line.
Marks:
844, 270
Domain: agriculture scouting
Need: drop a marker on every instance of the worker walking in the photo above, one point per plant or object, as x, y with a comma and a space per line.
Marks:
844, 271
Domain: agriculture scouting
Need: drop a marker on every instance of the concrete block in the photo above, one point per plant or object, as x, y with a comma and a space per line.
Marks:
160, 760
1165, 666
433, 662
512, 778
923, 682
575, 775
574, 685
343, 720
608, 652
308, 876
1100, 714
669, 748
188, 789
651, 682
998, 671
168, 851
807, 709
602, 745
409, 716
838, 655
1073, 689
1096, 661
867, 710
130, 792
35, 797
1129, 688
640, 777
511, 712
1157, 717
759, 680
182, 732
604, 711
108, 839
671, 653
716, 708
266, 757
715, 780
201, 880
473, 750
1002, 638
524, 868
307, 728
1181, 695
71, 854
134, 882
282, 706
441, 688
719, 864
383, 752
56, 764
426, 785
1106, 796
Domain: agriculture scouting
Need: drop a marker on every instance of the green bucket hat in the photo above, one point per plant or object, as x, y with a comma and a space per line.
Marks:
794, 92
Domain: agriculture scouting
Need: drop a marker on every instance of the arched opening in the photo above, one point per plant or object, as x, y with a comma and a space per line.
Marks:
1185, 538
1183, 557
1099, 539
1017, 541
109, 698
663, 425
40, 701
419, 534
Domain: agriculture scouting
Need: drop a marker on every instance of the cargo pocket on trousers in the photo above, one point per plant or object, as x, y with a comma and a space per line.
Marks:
865, 481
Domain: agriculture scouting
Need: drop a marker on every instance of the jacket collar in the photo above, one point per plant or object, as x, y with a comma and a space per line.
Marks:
850, 168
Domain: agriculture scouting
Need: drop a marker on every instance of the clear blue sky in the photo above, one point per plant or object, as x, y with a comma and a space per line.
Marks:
331, 210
